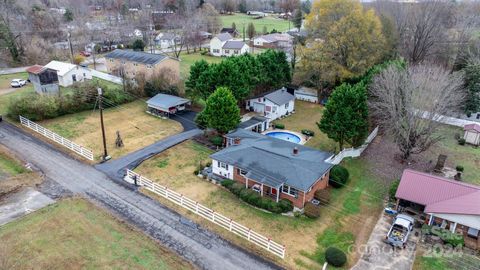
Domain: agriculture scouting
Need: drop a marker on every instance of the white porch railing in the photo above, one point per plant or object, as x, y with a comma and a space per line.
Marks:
352, 152
209, 214
57, 138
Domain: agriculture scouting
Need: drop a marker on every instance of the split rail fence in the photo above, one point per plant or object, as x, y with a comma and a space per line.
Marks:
209, 214
57, 138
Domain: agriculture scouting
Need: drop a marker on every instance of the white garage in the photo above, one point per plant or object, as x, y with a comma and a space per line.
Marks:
306, 94
472, 134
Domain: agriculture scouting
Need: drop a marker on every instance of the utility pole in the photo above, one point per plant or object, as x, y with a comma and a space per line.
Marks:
100, 106
70, 44
243, 32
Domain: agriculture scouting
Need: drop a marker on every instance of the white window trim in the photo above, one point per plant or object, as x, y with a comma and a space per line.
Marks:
289, 191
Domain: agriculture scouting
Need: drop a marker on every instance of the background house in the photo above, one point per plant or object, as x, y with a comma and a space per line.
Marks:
166, 40
306, 94
217, 42
275, 168
472, 134
234, 47
132, 63
44, 80
449, 204
273, 105
273, 41
68, 73
231, 31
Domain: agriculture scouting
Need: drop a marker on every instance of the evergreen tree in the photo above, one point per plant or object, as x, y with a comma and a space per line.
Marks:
242, 6
297, 18
345, 119
196, 70
274, 69
68, 15
250, 30
265, 31
472, 83
221, 111
138, 45
234, 26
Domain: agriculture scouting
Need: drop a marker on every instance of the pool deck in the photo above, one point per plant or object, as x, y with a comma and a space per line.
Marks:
303, 138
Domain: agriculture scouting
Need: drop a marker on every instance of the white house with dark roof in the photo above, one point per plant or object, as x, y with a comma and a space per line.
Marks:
224, 45
273, 105
274, 168
274, 40
68, 73
167, 40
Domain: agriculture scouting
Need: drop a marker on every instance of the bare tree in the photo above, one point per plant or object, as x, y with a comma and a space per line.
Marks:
407, 103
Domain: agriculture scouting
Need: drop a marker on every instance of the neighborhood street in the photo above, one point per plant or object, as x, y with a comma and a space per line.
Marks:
203, 248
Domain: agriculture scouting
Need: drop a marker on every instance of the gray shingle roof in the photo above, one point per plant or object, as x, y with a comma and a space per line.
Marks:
134, 56
224, 36
163, 101
233, 45
280, 96
271, 161
255, 120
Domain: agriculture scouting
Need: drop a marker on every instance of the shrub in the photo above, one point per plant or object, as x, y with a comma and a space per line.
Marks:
217, 140
461, 141
200, 120
308, 132
279, 126
323, 195
393, 189
459, 168
338, 176
335, 257
254, 198
447, 236
311, 210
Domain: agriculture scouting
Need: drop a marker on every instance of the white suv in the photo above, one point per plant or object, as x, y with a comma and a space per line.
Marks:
18, 83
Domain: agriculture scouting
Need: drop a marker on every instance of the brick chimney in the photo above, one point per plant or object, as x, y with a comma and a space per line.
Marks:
236, 141
295, 151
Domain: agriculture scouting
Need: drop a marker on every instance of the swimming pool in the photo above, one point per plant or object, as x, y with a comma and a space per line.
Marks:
283, 135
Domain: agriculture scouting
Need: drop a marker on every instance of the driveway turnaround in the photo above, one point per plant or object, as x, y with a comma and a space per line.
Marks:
21, 203
378, 255
203, 248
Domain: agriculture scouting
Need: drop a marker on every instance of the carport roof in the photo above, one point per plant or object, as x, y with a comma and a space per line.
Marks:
163, 101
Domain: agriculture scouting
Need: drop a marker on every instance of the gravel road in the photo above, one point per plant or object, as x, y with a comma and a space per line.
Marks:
203, 248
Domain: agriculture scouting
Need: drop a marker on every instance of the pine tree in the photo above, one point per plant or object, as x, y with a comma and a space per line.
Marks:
221, 111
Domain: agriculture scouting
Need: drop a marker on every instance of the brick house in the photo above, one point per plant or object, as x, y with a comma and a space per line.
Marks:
448, 204
133, 63
274, 168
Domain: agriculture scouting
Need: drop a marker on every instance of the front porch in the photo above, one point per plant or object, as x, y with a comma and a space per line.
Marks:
270, 190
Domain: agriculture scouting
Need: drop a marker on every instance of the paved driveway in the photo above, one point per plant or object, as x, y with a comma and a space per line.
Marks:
21, 203
202, 247
377, 255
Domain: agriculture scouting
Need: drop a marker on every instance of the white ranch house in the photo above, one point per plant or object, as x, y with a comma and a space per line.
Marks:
166, 40
472, 134
273, 105
68, 73
224, 45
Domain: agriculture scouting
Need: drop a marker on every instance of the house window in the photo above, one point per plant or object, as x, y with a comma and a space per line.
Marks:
149, 66
286, 105
242, 172
216, 50
123, 62
235, 51
223, 165
290, 191
227, 51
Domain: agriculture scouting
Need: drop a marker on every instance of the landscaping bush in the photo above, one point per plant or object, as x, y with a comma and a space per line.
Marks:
323, 195
311, 210
447, 236
459, 168
338, 176
461, 141
254, 198
335, 257
308, 132
393, 189
200, 120
279, 126
217, 140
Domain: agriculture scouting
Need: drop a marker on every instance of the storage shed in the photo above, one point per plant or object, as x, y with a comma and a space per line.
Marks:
472, 134
306, 94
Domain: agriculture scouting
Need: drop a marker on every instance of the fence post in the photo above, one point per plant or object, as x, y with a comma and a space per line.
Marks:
196, 207
248, 236
230, 227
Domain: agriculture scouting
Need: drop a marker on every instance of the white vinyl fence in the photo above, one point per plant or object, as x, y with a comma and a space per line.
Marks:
353, 152
208, 214
57, 138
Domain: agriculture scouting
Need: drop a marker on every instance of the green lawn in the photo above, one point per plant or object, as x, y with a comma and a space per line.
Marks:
464, 155
5, 84
242, 19
74, 234
187, 60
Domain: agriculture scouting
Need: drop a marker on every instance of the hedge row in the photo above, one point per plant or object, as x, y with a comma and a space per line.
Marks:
447, 236
255, 199
79, 98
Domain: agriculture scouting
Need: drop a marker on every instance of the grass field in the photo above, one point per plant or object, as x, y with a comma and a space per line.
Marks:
305, 239
74, 234
306, 116
187, 60
243, 19
5, 89
464, 155
137, 128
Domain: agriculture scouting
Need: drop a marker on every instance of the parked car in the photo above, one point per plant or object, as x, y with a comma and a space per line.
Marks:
401, 228
85, 53
18, 83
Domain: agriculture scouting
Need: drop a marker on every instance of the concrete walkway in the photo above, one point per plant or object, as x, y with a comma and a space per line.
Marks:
205, 249
21, 203
378, 255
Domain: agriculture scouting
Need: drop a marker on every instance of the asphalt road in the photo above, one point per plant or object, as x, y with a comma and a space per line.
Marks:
203, 248
4, 71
